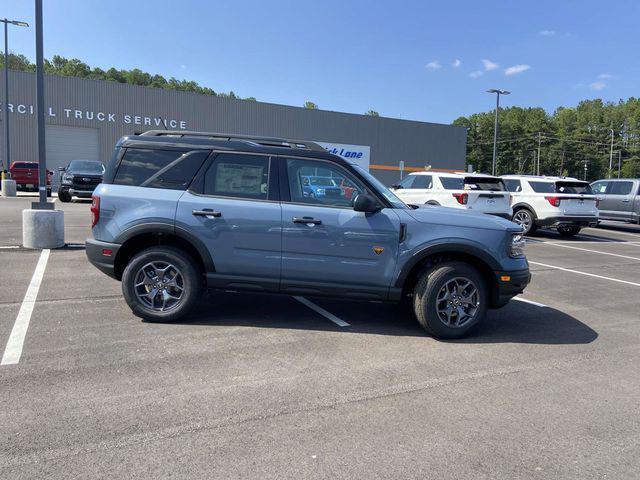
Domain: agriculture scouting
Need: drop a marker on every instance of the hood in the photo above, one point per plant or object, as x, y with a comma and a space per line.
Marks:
84, 173
456, 217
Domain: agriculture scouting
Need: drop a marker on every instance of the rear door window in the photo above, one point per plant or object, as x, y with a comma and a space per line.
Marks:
169, 169
238, 176
452, 183
484, 183
543, 187
620, 188
574, 187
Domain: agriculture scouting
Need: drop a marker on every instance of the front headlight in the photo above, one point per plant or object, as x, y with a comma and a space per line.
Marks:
516, 247
67, 178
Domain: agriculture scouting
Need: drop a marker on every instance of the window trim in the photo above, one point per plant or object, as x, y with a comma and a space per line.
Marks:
273, 189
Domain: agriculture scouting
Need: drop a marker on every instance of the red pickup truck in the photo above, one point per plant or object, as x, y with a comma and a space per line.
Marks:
26, 175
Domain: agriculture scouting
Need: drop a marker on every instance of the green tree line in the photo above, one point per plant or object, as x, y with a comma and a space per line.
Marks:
77, 68
566, 140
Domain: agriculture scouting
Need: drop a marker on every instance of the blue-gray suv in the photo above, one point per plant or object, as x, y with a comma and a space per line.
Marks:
179, 212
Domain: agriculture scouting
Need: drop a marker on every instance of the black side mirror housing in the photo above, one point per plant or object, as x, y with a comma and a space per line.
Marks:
366, 203
62, 169
397, 186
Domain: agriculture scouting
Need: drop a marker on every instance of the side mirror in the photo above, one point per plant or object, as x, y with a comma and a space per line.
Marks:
61, 169
397, 186
366, 203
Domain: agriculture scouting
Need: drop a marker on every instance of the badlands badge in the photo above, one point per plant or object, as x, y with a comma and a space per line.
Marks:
378, 250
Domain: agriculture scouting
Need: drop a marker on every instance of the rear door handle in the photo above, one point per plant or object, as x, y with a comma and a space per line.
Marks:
207, 212
307, 220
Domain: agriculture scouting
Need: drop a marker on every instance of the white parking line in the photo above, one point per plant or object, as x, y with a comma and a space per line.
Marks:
592, 251
602, 230
585, 273
323, 312
524, 300
13, 350
9, 247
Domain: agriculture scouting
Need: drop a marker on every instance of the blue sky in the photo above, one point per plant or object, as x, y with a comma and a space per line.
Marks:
419, 60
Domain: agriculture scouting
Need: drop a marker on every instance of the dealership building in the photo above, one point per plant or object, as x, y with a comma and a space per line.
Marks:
85, 118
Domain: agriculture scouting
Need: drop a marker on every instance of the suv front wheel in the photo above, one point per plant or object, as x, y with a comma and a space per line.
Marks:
161, 284
450, 299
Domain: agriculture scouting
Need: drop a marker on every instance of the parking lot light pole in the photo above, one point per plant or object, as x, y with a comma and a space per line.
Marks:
495, 129
7, 146
42, 224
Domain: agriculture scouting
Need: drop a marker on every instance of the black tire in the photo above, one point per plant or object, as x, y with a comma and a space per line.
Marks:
520, 217
569, 231
425, 299
64, 196
191, 284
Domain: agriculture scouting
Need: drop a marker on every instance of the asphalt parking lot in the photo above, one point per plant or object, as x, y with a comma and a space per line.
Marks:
254, 386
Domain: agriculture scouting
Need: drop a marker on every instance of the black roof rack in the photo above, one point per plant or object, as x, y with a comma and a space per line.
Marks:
266, 141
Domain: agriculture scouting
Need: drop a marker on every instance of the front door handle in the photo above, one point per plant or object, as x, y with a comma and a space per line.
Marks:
307, 220
207, 212
625, 200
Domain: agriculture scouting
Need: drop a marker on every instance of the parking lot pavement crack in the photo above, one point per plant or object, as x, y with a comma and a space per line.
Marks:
11, 459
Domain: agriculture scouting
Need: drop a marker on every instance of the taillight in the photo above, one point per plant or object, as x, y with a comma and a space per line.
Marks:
554, 201
462, 198
95, 210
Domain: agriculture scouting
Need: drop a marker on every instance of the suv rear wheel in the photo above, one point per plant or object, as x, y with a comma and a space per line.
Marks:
525, 219
161, 284
450, 299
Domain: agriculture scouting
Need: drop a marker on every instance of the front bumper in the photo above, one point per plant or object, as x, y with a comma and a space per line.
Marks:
508, 285
581, 221
97, 255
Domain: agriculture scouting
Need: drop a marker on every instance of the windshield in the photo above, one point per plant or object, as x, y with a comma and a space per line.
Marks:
379, 186
86, 166
574, 187
484, 183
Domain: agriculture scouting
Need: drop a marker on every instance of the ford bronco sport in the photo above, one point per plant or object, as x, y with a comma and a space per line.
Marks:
178, 212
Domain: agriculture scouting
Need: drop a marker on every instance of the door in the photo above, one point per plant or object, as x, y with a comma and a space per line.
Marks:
65, 143
327, 247
619, 199
233, 209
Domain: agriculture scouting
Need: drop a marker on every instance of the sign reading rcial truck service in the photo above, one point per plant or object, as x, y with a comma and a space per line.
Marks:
359, 154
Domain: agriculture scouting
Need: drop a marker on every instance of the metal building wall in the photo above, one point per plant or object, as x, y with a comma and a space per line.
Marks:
391, 140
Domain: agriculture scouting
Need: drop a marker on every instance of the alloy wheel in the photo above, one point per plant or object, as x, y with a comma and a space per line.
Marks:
457, 302
159, 286
523, 218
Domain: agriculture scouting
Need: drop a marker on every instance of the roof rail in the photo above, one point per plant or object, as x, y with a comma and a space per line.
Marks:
266, 141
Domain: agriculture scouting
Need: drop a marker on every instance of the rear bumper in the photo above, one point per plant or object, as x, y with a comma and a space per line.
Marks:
581, 221
509, 284
96, 254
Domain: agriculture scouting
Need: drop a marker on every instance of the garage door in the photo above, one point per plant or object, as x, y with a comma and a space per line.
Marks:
70, 143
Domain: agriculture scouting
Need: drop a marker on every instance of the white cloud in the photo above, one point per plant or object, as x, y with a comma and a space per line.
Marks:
435, 65
476, 74
516, 69
605, 76
183, 66
489, 65
597, 85
456, 63
547, 33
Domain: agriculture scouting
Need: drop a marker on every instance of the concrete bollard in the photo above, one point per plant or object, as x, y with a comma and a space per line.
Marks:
42, 228
9, 188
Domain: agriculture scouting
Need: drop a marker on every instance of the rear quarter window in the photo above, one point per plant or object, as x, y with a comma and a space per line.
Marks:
543, 187
452, 183
169, 169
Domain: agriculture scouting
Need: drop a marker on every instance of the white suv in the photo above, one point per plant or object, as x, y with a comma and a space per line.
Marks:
471, 191
567, 204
